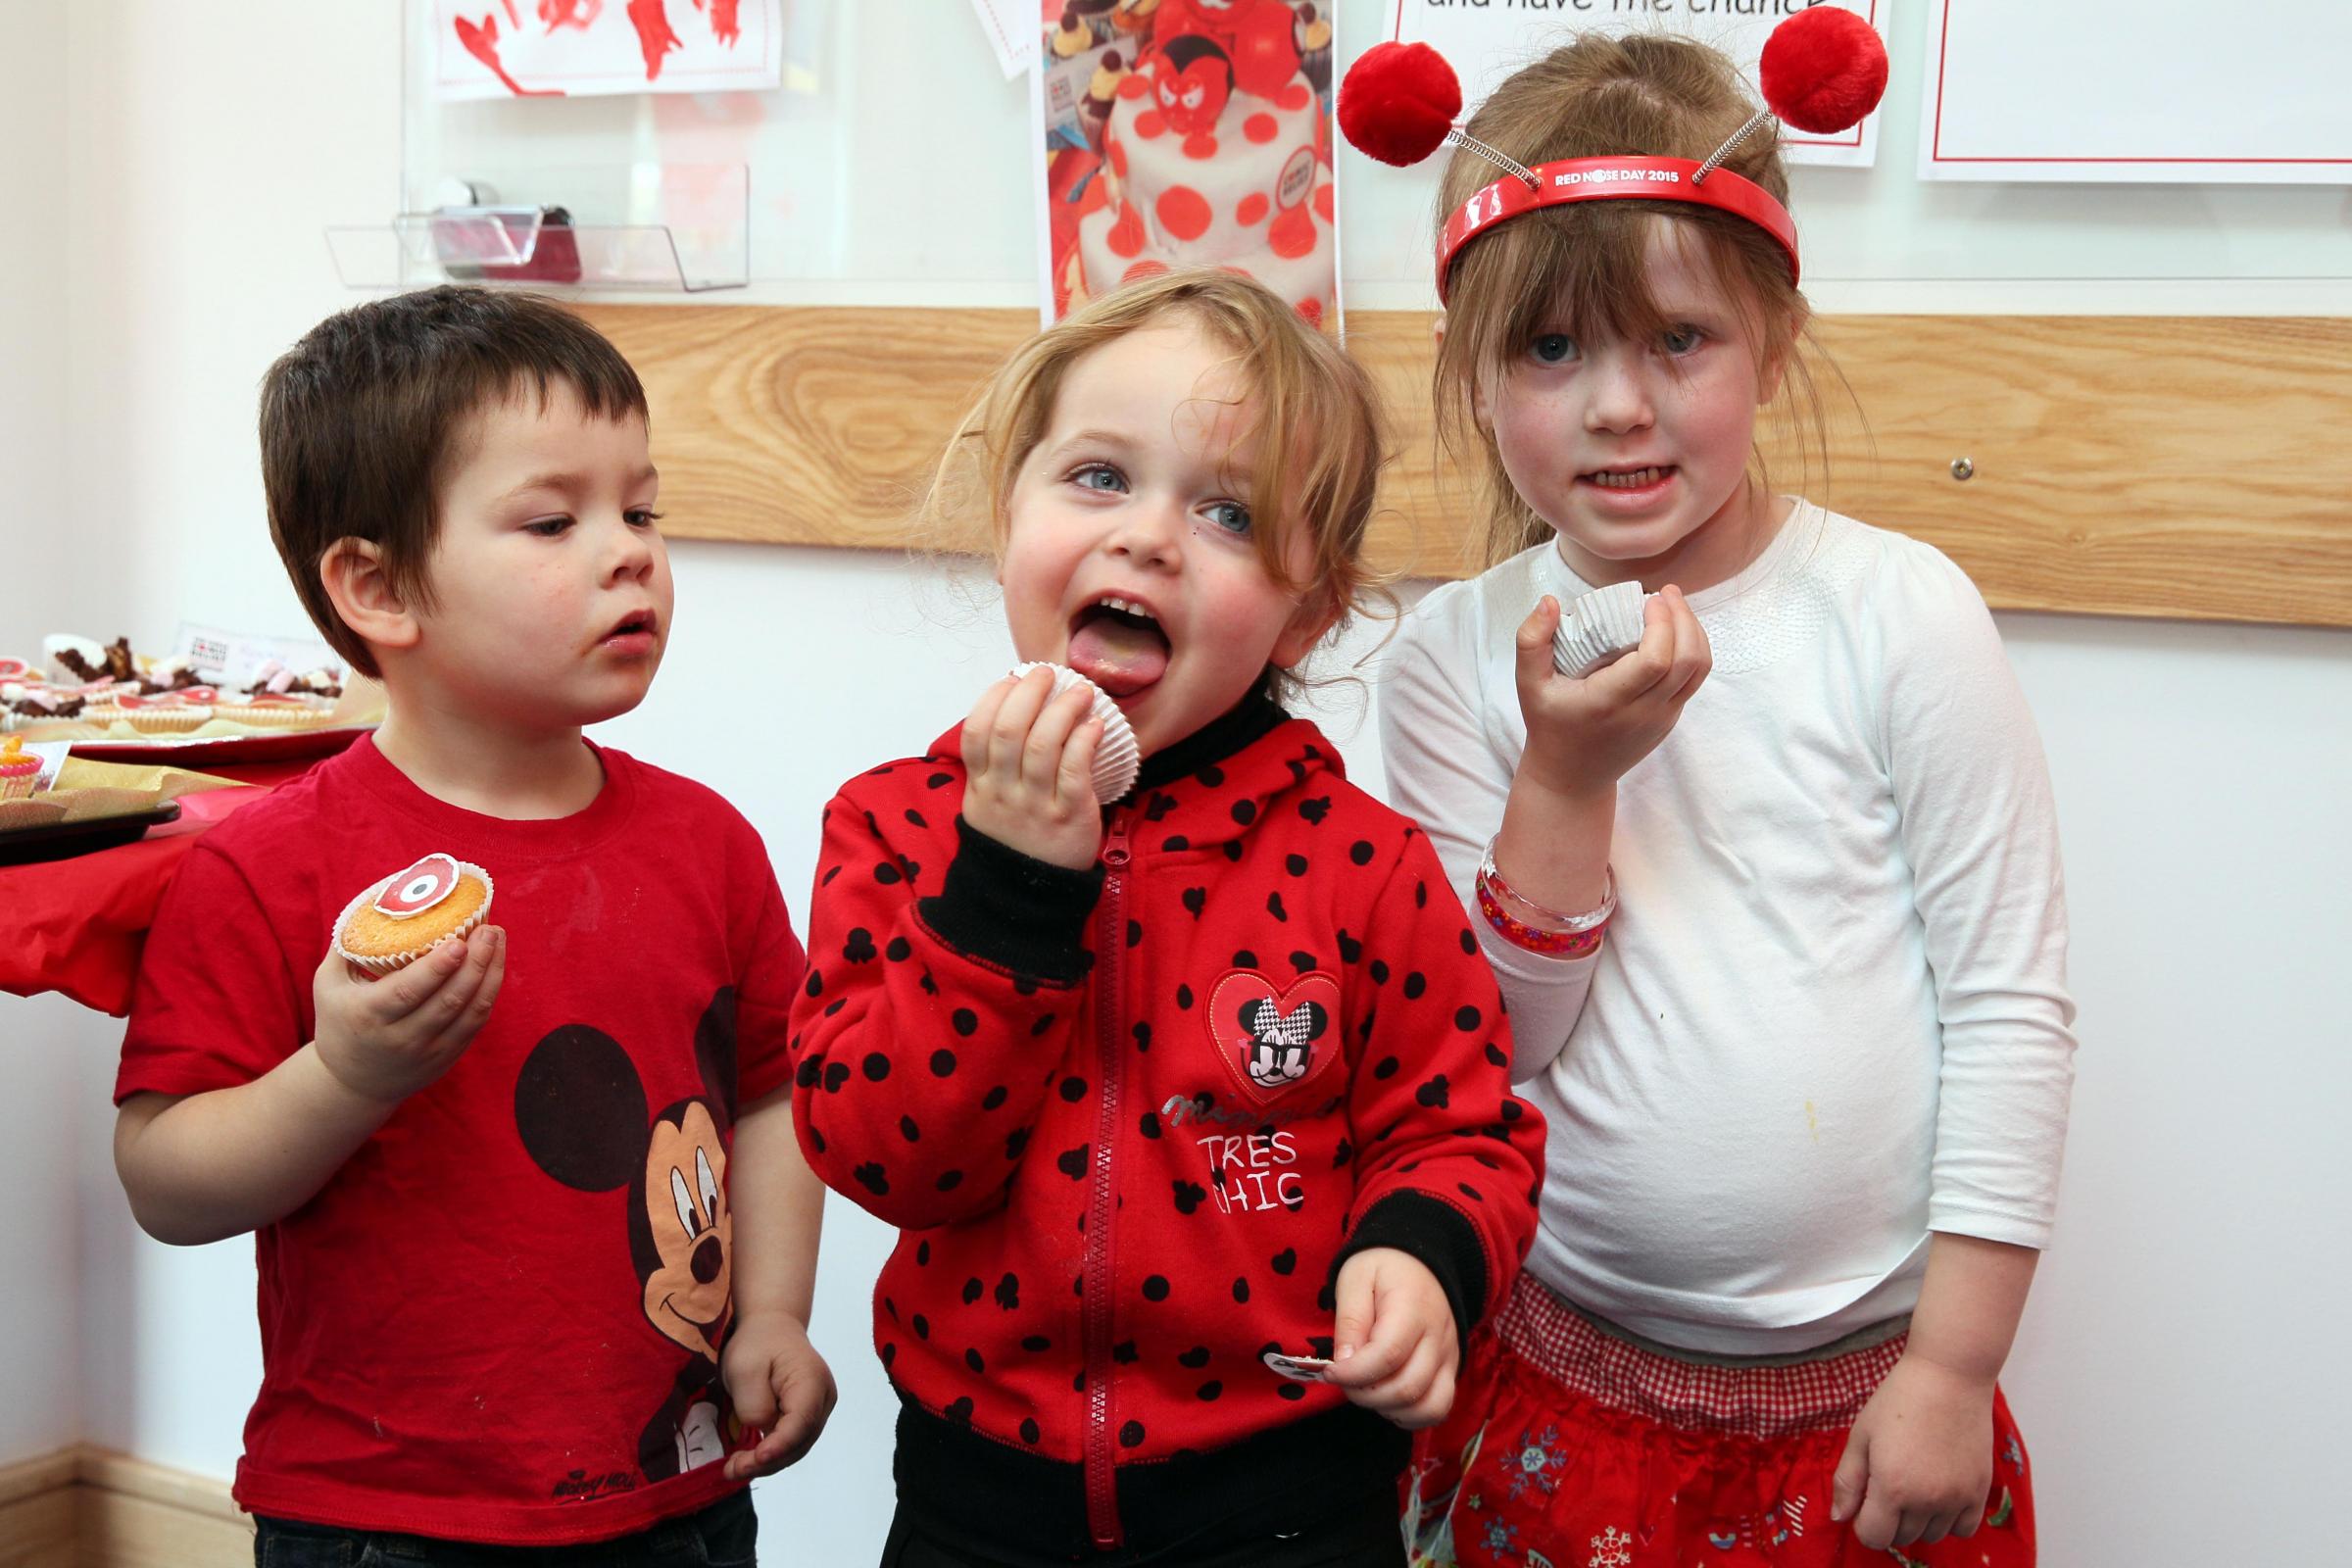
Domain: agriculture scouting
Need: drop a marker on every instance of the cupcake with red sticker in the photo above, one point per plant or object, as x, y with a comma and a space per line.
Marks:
272, 710
155, 716
413, 912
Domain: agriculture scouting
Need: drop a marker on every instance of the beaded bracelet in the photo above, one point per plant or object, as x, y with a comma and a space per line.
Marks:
1534, 928
1519, 934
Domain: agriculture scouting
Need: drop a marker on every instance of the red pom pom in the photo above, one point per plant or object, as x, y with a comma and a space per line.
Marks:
1399, 101
1822, 70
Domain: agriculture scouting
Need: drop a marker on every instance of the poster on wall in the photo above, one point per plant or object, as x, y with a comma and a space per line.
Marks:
2181, 93
580, 48
1487, 43
1187, 134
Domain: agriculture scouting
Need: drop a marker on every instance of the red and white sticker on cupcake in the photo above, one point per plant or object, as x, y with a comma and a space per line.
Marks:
418, 889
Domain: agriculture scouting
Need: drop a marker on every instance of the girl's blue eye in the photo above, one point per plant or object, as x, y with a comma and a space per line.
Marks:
1553, 348
1683, 339
643, 517
549, 527
1230, 516
1100, 477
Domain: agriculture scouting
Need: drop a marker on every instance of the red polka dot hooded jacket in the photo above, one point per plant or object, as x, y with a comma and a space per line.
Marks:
1130, 1120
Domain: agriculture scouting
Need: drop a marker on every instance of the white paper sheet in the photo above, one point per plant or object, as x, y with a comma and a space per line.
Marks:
578, 48
2173, 91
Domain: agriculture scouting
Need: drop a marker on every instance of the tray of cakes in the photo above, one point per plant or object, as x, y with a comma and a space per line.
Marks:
54, 807
117, 707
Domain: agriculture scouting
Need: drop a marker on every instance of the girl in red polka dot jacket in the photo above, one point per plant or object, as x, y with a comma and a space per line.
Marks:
1194, 1111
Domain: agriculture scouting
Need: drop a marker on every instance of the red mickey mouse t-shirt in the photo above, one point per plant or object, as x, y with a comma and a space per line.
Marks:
500, 1320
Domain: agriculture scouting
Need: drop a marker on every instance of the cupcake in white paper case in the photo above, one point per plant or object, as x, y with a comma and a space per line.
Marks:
404, 916
1118, 758
1597, 630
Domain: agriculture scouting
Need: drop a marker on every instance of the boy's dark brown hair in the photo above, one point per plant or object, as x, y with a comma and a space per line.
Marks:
362, 417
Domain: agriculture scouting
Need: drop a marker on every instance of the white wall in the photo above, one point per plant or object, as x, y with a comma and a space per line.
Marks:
38, 1080
2176, 1372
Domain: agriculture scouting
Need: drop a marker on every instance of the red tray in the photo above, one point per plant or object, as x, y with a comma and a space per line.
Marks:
200, 753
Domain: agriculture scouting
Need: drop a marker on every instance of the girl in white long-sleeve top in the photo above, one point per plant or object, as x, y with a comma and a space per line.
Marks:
1807, 1083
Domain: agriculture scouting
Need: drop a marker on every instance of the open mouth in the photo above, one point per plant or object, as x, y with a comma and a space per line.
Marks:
633, 632
1630, 478
1118, 644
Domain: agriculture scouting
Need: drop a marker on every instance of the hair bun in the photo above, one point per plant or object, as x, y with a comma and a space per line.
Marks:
1822, 70
1399, 100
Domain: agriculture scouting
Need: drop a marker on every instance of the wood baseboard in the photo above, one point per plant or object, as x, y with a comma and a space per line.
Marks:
92, 1508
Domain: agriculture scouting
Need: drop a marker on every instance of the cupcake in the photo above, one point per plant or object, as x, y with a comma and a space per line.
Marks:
1100, 94
262, 710
19, 769
410, 912
1116, 759
1313, 39
158, 716
1071, 37
1597, 630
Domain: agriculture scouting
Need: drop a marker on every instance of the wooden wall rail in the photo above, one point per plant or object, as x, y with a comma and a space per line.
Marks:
2197, 468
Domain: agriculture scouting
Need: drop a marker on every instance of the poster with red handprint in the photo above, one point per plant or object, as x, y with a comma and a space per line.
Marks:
556, 48
1188, 134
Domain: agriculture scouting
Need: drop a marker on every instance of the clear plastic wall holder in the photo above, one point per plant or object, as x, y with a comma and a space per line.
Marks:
642, 228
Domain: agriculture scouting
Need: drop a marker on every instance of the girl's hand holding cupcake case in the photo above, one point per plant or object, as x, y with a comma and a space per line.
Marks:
1030, 757
1583, 735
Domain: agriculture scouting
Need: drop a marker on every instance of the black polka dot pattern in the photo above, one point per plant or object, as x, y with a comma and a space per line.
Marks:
969, 1101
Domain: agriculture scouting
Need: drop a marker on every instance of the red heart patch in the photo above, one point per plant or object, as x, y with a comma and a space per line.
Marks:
1272, 1040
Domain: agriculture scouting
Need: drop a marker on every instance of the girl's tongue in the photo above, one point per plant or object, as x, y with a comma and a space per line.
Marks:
1119, 652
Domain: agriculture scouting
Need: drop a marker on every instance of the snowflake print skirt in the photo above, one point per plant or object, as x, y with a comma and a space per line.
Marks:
1570, 1449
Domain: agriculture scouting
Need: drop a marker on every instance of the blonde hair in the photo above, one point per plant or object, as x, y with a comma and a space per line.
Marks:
1583, 268
1316, 449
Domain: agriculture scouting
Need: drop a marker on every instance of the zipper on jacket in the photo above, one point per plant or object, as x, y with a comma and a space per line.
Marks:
1111, 947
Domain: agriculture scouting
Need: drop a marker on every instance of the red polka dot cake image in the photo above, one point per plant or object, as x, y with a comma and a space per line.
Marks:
408, 914
1214, 156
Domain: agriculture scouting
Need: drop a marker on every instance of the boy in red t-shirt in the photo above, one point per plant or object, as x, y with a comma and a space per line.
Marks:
536, 1240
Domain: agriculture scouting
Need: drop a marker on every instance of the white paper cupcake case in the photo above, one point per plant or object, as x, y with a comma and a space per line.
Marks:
384, 966
1116, 756
1597, 628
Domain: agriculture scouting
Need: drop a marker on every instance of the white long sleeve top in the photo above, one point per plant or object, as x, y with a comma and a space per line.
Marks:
1831, 1016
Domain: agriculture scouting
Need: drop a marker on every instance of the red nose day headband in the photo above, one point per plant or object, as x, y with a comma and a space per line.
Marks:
1822, 70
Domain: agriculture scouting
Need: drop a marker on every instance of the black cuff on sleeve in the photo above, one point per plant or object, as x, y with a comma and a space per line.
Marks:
1443, 1241
1008, 909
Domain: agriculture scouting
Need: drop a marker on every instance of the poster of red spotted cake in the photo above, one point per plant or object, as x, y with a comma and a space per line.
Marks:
1188, 134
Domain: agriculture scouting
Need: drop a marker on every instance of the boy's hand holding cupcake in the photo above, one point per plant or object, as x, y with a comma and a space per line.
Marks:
409, 979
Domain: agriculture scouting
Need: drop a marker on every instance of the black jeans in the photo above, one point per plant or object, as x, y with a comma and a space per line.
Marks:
1359, 1532
724, 1535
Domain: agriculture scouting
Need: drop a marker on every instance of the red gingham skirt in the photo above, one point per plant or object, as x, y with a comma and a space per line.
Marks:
1570, 1449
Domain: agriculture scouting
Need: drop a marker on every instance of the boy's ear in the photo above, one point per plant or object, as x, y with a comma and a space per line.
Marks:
363, 595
